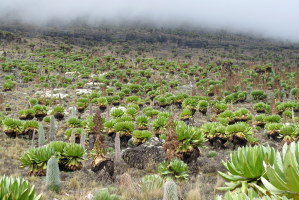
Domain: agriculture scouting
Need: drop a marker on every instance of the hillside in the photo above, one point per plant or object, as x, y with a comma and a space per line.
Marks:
121, 100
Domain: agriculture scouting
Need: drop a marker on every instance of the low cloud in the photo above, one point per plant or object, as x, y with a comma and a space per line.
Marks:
269, 18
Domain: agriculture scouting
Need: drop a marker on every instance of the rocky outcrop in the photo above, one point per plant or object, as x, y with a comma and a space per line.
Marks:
145, 156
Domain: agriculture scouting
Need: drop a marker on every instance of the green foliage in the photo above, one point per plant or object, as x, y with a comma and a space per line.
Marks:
33, 102
186, 114
132, 112
240, 130
109, 126
69, 155
117, 112
150, 112
246, 166
8, 85
190, 103
23, 114
58, 146
40, 110
227, 115
220, 107
105, 194
141, 136
142, 122
242, 114
132, 99
212, 154
236, 97
273, 127
74, 122
15, 188
258, 95
283, 175
36, 159
77, 131
58, 109
30, 125
273, 119
72, 156
289, 105
261, 107
159, 124
203, 106
249, 195
213, 130
287, 114
190, 137
260, 119
124, 128
12, 125
176, 169
102, 102
289, 133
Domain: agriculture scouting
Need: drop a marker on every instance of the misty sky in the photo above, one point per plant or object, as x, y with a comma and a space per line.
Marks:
269, 18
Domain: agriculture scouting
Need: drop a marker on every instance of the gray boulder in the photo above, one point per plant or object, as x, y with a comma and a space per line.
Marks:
146, 156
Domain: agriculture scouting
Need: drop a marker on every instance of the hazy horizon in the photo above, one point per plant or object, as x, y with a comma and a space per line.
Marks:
267, 18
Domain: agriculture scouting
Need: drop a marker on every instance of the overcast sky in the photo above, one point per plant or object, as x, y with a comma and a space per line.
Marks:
270, 18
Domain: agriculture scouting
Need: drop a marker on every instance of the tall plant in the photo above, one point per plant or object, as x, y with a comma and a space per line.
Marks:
53, 175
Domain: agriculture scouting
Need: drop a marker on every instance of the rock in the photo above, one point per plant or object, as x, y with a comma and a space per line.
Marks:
82, 91
52, 94
70, 75
89, 196
154, 141
93, 84
204, 164
120, 107
104, 169
146, 156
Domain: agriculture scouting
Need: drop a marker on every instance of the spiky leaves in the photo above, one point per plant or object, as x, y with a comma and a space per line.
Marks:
190, 138
124, 128
14, 188
36, 159
283, 175
72, 157
246, 166
12, 127
176, 169
239, 133
142, 122
141, 136
159, 125
214, 132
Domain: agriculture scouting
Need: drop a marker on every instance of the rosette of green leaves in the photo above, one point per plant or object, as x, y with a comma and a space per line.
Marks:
189, 137
15, 188
245, 167
176, 169
141, 136
283, 175
36, 159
